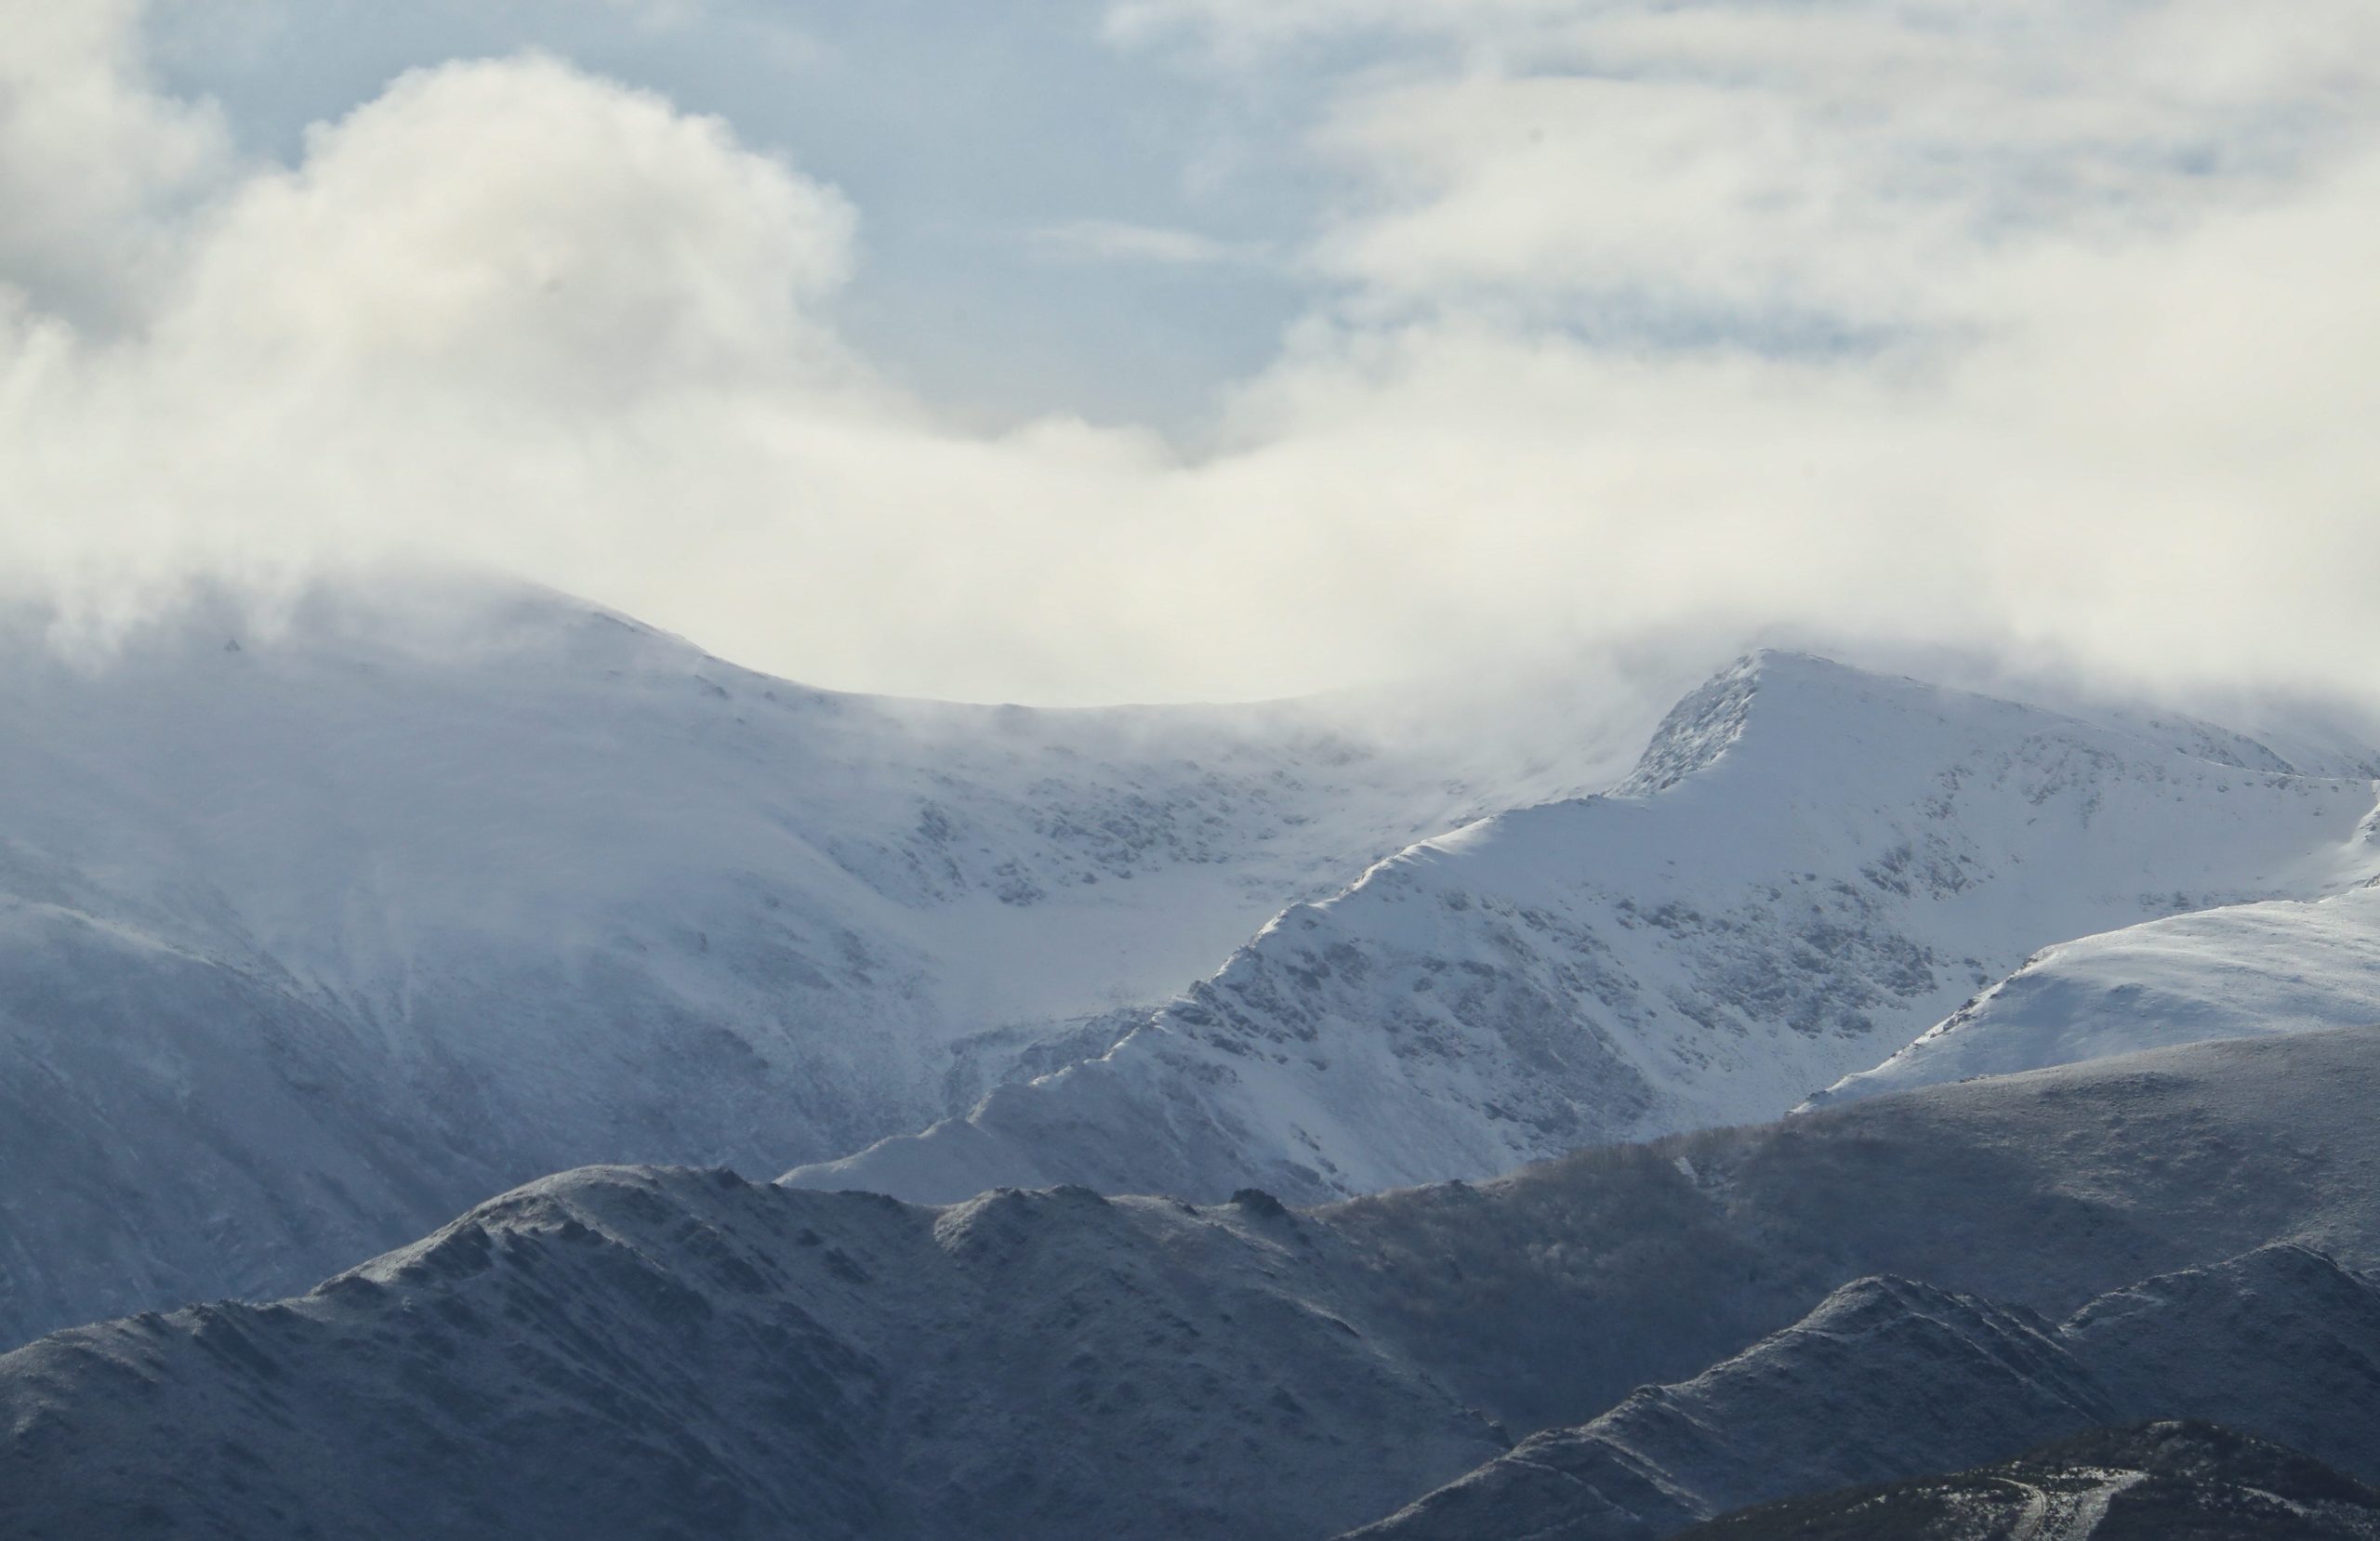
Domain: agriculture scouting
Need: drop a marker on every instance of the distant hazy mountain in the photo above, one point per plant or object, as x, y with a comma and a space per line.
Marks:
627, 1353
2281, 967
1889, 1377
310, 938
2153, 1482
1810, 866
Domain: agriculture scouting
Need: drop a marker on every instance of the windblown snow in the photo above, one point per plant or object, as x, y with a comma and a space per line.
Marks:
309, 937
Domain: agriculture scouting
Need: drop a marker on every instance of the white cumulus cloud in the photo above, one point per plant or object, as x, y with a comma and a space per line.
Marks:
2036, 328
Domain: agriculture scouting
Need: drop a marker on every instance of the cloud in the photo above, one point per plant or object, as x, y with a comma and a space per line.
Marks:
2044, 329
433, 338
92, 161
1854, 160
518, 230
2032, 326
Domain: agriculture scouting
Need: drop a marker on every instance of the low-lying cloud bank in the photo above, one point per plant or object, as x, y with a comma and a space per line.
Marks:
2045, 330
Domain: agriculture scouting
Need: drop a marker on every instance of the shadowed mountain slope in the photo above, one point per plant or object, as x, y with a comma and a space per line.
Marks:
1889, 1378
2169, 1481
635, 1352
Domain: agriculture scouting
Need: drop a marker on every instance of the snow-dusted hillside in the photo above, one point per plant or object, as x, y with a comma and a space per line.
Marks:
309, 937
2281, 967
1810, 865
634, 1353
1890, 1379
2150, 1481
644, 1353
1886, 1377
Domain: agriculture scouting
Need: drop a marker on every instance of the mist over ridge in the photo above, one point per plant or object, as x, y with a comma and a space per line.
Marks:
1913, 386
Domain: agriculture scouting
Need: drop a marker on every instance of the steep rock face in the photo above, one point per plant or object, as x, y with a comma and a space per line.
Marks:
310, 939
1809, 866
634, 1352
2281, 967
1889, 1379
2167, 1480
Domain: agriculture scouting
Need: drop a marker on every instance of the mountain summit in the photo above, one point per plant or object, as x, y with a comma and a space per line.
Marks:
1809, 866
410, 898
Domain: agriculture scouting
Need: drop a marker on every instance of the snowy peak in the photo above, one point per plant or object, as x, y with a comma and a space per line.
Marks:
1789, 701
1813, 865
1787, 693
317, 925
1699, 728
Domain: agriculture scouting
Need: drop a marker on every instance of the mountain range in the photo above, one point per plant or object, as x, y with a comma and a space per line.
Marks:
634, 1351
1482, 1111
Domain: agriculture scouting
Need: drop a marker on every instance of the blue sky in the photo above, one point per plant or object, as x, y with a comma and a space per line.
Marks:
987, 147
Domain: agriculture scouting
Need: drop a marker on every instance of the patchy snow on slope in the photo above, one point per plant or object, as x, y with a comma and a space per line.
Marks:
2281, 967
1890, 1379
2150, 1481
1810, 865
634, 1352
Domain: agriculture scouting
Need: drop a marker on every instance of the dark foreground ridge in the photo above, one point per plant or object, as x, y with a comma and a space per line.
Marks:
2154, 1481
1889, 1377
641, 1352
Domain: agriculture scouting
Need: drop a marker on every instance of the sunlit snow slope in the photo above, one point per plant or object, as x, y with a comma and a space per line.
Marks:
308, 939
1810, 865
2281, 967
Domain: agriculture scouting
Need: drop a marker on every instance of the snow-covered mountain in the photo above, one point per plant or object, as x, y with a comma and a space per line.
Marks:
314, 933
2152, 1481
2281, 967
632, 1352
310, 936
1809, 866
1891, 1379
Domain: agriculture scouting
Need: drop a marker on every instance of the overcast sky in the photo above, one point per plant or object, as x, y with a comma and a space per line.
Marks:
1061, 351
